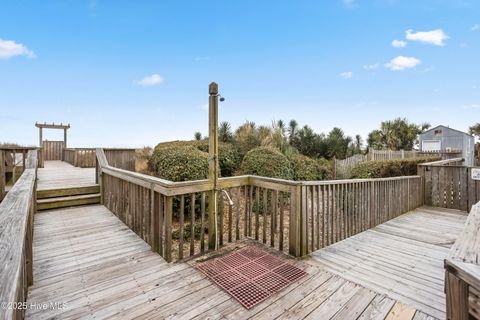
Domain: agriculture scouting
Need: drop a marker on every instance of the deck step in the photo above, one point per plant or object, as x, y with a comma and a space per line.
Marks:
63, 192
68, 201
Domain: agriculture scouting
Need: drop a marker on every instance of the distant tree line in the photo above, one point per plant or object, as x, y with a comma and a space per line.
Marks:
397, 134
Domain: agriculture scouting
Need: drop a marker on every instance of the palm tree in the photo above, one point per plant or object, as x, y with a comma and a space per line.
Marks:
225, 132
358, 144
281, 125
475, 129
292, 130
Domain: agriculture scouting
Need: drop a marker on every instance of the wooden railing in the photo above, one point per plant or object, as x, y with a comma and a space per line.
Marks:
462, 266
342, 168
85, 157
336, 210
121, 158
448, 184
80, 157
16, 235
12, 165
295, 217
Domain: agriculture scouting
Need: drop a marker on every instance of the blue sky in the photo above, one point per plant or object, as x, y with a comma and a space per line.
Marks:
133, 73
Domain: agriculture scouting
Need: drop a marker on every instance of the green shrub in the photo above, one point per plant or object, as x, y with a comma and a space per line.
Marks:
326, 168
388, 168
267, 162
228, 156
179, 163
305, 168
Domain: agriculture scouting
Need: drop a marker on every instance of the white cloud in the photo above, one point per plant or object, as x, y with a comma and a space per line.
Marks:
401, 63
371, 66
476, 27
204, 107
9, 48
399, 43
346, 74
349, 3
471, 106
149, 81
436, 37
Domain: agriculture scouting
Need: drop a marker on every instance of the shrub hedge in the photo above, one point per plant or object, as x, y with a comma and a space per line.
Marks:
179, 163
305, 168
228, 156
388, 168
267, 162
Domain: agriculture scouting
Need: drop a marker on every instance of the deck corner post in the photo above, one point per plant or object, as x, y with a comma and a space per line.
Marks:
295, 228
457, 297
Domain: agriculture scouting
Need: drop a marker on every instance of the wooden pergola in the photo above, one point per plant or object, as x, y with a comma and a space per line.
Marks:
45, 125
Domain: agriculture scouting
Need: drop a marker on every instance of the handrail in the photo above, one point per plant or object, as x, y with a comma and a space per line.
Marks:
462, 267
16, 235
441, 162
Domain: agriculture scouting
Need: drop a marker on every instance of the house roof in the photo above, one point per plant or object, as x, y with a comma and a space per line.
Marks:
442, 126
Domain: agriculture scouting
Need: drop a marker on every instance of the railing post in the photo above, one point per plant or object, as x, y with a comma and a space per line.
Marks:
212, 163
75, 158
295, 228
2, 175
167, 253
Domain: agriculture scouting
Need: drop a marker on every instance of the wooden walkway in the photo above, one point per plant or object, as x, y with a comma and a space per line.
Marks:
59, 174
89, 260
402, 258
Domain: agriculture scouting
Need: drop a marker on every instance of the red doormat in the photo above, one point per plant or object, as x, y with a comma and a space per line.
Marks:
251, 275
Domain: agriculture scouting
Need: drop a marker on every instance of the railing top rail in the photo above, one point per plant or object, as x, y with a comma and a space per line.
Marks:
18, 149
464, 255
167, 187
467, 246
441, 162
348, 181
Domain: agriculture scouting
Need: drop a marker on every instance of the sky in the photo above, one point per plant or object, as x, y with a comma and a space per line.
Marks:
135, 73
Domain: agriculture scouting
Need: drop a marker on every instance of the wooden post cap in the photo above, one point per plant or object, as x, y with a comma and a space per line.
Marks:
213, 88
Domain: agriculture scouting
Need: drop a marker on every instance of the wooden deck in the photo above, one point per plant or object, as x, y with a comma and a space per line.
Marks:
59, 174
402, 258
88, 259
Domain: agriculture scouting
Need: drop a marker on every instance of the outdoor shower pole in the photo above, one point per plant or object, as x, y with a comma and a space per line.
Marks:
212, 162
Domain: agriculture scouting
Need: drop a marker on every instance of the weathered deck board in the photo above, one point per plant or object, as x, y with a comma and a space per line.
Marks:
402, 258
87, 258
59, 174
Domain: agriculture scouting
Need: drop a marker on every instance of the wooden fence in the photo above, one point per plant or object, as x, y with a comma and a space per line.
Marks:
342, 168
449, 184
294, 217
16, 236
80, 157
52, 150
462, 271
121, 158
